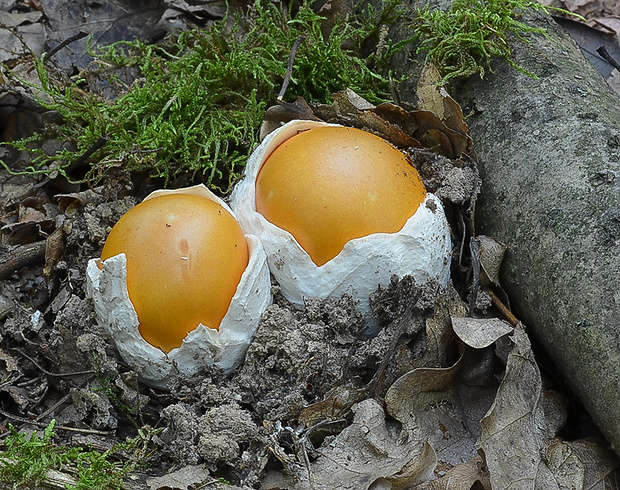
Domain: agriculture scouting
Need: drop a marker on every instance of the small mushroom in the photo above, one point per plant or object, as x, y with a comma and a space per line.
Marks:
179, 286
339, 210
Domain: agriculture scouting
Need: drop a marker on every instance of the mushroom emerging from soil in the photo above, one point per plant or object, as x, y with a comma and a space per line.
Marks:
179, 286
339, 210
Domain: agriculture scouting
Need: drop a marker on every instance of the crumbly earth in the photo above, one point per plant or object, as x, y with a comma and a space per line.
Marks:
304, 369
295, 412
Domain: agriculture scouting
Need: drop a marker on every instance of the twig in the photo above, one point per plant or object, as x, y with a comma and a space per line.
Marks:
401, 327
289, 69
22, 256
53, 407
66, 42
45, 371
513, 320
96, 146
42, 425
474, 248
300, 447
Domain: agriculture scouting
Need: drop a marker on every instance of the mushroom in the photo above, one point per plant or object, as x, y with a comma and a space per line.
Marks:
339, 210
179, 286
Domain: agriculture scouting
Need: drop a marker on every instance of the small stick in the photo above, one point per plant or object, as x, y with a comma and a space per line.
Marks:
42, 425
474, 248
66, 42
53, 407
96, 146
44, 371
513, 320
22, 256
289, 69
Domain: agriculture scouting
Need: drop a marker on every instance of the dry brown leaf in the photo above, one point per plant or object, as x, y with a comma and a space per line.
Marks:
350, 109
368, 454
438, 404
74, 200
283, 112
182, 479
20, 33
514, 429
491, 256
433, 97
609, 24
414, 392
424, 402
439, 326
427, 128
587, 8
583, 464
429, 95
461, 477
404, 129
54, 250
480, 332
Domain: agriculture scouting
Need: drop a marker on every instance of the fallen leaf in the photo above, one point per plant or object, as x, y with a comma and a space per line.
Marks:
20, 34
513, 431
349, 109
54, 250
461, 477
429, 94
433, 97
583, 464
491, 254
183, 479
439, 326
423, 402
107, 22
283, 112
610, 24
587, 8
480, 332
368, 454
74, 200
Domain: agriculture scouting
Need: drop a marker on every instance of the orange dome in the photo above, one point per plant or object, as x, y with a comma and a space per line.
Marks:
329, 185
185, 257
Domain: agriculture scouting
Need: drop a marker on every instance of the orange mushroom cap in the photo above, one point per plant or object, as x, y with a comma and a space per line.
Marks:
329, 185
185, 257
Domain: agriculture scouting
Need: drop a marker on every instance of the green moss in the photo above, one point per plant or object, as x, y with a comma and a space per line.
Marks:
199, 97
462, 40
27, 460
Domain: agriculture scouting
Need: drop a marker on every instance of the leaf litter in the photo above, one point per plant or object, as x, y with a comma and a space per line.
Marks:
443, 396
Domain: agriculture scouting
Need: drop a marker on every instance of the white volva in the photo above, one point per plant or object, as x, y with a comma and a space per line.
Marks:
202, 347
422, 248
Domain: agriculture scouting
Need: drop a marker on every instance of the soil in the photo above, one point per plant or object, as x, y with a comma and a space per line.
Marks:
305, 368
310, 379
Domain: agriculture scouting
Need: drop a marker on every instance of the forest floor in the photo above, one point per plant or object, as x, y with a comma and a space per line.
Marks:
449, 394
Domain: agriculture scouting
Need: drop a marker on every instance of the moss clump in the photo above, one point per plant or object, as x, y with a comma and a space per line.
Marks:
28, 460
462, 40
198, 98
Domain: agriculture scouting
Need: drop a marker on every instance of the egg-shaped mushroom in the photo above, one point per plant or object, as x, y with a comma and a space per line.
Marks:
179, 286
339, 210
